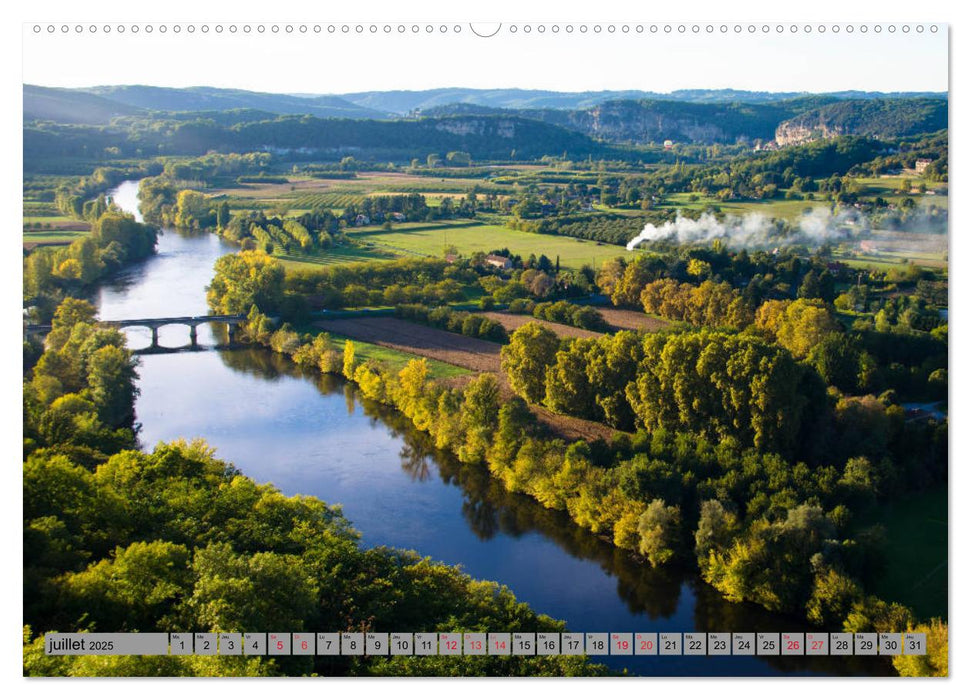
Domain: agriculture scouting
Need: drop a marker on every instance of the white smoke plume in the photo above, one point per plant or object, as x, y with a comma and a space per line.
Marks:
756, 230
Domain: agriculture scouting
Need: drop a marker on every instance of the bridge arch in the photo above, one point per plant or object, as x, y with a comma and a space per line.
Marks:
232, 321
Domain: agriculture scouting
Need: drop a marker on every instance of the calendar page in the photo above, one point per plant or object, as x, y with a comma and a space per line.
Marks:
417, 347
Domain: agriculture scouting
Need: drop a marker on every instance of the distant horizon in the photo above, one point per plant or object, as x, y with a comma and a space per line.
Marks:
337, 63
674, 91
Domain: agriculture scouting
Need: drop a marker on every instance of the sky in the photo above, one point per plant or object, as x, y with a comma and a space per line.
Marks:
659, 61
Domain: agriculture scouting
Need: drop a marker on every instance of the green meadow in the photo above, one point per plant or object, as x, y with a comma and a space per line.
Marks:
431, 239
396, 359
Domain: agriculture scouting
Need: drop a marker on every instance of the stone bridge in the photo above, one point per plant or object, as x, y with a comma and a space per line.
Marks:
232, 321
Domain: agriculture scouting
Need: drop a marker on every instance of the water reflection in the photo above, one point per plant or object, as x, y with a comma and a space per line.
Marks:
663, 600
311, 434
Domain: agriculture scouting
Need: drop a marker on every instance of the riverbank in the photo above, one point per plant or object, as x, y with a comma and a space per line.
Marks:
316, 434
460, 423
275, 422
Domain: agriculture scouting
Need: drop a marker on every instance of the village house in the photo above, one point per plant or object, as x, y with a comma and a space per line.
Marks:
921, 165
362, 220
499, 261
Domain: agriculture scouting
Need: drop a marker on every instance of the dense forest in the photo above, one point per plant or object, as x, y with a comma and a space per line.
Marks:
122, 540
311, 137
51, 274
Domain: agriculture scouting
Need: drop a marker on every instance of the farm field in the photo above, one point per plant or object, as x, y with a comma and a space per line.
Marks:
50, 238
332, 256
888, 261
397, 359
891, 186
779, 208
306, 192
513, 321
54, 233
471, 237
58, 221
888, 249
625, 319
886, 187
452, 348
43, 225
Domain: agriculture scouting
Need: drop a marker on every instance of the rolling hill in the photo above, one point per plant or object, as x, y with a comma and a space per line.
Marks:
134, 99
193, 120
883, 118
71, 106
407, 101
794, 120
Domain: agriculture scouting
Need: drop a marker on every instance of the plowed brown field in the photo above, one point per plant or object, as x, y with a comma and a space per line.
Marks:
471, 353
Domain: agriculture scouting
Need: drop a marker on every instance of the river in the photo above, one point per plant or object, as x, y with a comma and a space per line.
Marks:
313, 435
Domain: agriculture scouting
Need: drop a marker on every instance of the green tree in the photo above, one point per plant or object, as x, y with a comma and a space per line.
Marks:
772, 565
111, 384
833, 595
262, 590
480, 417
799, 325
192, 210
837, 359
246, 279
515, 425
222, 215
568, 388
636, 274
133, 590
699, 269
68, 314
810, 287
349, 365
724, 385
659, 529
717, 528
935, 661
531, 349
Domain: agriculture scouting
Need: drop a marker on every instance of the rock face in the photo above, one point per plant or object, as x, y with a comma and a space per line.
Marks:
874, 118
503, 128
643, 121
625, 121
790, 133
787, 122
